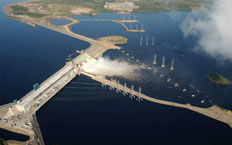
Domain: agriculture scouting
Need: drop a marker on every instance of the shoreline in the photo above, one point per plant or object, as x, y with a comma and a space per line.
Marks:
66, 29
214, 112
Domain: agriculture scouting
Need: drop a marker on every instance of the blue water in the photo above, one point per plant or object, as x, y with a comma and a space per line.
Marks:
10, 135
60, 22
190, 66
85, 113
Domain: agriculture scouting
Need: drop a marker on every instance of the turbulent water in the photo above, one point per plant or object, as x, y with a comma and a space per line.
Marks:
110, 68
85, 113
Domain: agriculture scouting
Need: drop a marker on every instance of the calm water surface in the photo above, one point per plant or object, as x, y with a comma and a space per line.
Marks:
59, 22
85, 113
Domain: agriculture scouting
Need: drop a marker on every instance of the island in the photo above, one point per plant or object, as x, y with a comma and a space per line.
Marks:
114, 39
218, 79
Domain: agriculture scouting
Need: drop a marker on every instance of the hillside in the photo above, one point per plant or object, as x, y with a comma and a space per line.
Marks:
42, 8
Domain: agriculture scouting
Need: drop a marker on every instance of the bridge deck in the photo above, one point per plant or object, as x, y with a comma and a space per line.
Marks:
31, 96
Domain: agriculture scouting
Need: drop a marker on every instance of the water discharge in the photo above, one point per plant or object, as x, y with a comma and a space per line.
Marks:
108, 67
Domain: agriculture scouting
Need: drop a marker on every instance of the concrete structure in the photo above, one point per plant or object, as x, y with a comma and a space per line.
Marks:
20, 117
119, 22
163, 62
172, 65
213, 112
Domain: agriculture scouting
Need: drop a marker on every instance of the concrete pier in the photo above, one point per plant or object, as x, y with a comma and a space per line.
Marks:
17, 117
212, 112
163, 62
172, 65
20, 117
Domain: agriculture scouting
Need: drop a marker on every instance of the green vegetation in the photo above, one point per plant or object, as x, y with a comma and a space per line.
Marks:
144, 5
218, 79
3, 142
39, 9
42, 8
222, 109
97, 5
155, 5
21, 10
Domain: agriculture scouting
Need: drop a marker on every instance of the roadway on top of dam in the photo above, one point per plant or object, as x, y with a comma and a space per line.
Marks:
17, 117
56, 82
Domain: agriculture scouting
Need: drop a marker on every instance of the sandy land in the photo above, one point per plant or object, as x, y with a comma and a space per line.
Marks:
114, 39
81, 10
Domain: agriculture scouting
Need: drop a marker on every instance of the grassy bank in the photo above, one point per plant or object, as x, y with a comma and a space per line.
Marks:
144, 5
218, 79
21, 10
3, 142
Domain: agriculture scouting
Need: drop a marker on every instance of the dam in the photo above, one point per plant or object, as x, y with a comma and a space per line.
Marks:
20, 117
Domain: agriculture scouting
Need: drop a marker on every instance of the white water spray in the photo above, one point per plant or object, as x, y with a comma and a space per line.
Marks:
107, 67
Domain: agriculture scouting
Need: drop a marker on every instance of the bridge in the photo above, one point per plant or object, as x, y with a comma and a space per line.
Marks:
20, 117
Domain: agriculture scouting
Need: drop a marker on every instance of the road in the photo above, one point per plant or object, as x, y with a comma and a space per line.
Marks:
17, 117
212, 112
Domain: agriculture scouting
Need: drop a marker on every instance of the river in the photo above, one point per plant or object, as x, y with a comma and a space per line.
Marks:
85, 113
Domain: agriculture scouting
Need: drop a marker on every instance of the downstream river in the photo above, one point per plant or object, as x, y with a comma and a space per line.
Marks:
85, 113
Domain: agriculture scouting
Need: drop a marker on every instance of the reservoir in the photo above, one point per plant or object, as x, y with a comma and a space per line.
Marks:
85, 113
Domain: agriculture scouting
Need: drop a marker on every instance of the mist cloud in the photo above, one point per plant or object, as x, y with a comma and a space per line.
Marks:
107, 67
213, 26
